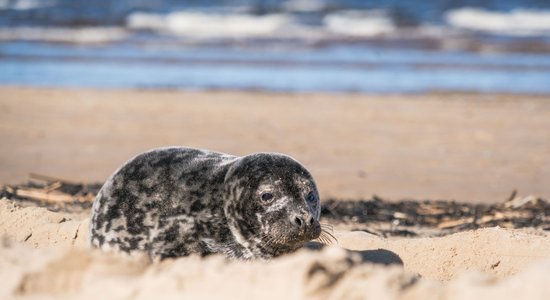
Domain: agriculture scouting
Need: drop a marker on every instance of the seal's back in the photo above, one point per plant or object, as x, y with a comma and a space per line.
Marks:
160, 202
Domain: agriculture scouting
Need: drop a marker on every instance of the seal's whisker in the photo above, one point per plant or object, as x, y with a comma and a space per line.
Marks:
322, 240
327, 226
329, 237
328, 241
272, 240
327, 229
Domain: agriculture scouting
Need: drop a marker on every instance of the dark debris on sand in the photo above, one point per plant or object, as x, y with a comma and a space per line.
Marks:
376, 215
52, 193
410, 217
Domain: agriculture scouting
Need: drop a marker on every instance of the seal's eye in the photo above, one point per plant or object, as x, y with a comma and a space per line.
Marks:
266, 197
310, 197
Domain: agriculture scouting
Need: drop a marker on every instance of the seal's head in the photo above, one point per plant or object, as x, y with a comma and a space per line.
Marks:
271, 204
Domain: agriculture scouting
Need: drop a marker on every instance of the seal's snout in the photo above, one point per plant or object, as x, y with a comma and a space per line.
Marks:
306, 225
302, 222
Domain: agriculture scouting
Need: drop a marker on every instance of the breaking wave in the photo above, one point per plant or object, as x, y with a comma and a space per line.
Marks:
360, 23
87, 35
518, 22
205, 25
302, 22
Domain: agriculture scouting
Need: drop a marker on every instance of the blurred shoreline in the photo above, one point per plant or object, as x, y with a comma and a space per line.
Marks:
503, 26
381, 46
357, 68
469, 147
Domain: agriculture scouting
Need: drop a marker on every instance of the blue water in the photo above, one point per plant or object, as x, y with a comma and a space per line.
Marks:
414, 47
332, 69
108, 12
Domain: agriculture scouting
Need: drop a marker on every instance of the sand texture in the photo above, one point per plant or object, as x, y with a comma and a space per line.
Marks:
45, 254
466, 147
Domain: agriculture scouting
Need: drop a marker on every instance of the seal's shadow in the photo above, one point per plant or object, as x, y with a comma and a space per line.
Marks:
378, 256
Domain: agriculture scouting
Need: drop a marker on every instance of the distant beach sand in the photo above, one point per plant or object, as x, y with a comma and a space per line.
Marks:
467, 147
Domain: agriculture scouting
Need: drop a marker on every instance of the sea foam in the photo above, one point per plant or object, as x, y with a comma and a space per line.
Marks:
518, 22
86, 35
206, 25
359, 23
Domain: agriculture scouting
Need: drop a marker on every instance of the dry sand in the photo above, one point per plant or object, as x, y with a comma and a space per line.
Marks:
474, 148
44, 254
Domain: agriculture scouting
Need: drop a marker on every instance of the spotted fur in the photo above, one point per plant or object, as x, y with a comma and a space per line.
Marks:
172, 202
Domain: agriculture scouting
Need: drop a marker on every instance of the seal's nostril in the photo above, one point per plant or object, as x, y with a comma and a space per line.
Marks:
311, 221
298, 221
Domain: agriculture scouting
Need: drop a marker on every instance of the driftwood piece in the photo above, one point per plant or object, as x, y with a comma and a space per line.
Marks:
455, 223
43, 195
52, 192
47, 178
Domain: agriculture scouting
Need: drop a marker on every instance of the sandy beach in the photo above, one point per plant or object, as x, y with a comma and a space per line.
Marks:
474, 148
464, 147
46, 255
424, 124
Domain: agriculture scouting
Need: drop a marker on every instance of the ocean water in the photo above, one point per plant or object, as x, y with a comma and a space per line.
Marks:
289, 46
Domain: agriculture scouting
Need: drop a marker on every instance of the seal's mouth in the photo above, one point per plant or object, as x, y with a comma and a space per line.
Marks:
314, 232
297, 239
293, 237
306, 235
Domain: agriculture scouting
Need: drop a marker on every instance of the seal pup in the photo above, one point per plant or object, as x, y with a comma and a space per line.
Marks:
175, 201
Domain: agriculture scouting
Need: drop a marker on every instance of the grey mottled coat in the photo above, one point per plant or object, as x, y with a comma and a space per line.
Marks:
172, 202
